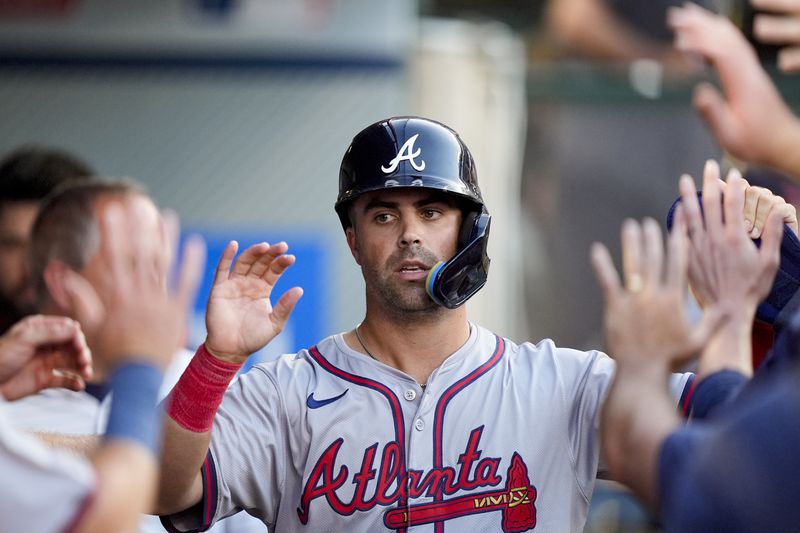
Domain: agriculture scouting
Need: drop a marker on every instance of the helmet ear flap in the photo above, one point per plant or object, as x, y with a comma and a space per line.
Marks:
467, 229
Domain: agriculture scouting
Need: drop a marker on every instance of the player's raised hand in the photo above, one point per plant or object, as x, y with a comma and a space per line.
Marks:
645, 319
39, 352
240, 318
725, 267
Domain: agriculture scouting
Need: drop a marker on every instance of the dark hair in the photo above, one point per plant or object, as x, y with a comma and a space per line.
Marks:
31, 172
65, 228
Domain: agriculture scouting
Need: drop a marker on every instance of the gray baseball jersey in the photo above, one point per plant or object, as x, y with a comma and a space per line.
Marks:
41, 490
502, 438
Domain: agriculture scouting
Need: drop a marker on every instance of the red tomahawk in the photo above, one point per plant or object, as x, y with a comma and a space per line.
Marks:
515, 501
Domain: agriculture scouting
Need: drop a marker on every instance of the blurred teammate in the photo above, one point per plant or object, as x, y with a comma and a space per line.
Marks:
27, 175
66, 239
48, 491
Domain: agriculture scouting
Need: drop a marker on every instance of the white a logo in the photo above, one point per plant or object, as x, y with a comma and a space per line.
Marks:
406, 152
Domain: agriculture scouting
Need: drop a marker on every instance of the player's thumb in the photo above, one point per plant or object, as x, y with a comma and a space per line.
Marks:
714, 111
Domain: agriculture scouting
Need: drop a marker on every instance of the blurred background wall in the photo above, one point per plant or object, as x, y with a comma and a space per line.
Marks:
235, 113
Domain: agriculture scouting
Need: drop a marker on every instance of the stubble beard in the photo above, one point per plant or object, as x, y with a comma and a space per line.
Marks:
403, 300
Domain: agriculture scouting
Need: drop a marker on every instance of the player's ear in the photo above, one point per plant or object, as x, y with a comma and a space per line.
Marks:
54, 274
350, 233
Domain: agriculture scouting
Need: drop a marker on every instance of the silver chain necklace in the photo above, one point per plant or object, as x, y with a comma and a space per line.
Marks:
361, 342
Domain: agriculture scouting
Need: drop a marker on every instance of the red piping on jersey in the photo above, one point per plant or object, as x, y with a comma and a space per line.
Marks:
441, 406
394, 405
688, 392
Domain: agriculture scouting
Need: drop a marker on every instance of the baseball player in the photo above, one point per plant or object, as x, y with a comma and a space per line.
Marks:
46, 491
27, 175
414, 419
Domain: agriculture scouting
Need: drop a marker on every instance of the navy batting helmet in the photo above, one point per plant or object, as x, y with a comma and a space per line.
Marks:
419, 152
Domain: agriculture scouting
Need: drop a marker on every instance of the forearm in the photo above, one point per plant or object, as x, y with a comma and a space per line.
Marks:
190, 408
84, 445
126, 475
730, 348
785, 155
182, 456
637, 415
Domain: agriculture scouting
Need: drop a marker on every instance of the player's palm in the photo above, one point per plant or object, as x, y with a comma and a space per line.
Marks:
240, 317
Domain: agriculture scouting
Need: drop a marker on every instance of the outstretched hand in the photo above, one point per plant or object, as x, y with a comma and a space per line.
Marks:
240, 318
751, 121
40, 352
645, 320
725, 267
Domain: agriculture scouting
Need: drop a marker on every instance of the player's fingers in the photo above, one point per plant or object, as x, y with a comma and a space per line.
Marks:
224, 265
191, 272
58, 378
734, 203
170, 236
781, 6
261, 267
789, 59
677, 251
39, 330
88, 307
653, 263
690, 205
777, 29
605, 272
245, 261
767, 203
750, 203
632, 255
770, 251
118, 256
82, 355
283, 309
712, 211
276, 270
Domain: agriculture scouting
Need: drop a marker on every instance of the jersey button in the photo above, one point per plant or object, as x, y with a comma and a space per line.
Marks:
410, 394
419, 424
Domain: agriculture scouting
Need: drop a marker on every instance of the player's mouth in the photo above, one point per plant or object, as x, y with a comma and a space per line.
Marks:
412, 270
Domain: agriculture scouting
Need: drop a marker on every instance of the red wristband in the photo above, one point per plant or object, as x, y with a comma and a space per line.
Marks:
195, 398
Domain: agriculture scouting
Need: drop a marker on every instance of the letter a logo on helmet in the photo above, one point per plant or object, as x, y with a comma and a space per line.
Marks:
406, 153
447, 167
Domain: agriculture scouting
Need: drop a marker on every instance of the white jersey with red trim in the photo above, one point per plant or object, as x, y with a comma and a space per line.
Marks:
41, 489
502, 438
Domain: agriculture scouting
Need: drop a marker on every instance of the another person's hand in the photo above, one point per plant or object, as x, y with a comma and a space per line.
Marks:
40, 352
781, 27
759, 204
725, 266
645, 319
240, 318
751, 121
140, 317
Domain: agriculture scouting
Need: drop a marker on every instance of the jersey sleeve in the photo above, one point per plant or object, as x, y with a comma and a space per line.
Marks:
586, 377
51, 489
246, 462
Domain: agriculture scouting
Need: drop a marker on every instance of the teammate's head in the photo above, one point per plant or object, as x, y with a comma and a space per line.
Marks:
418, 154
27, 175
67, 235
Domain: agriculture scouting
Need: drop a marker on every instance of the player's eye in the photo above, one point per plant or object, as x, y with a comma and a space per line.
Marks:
431, 214
383, 218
